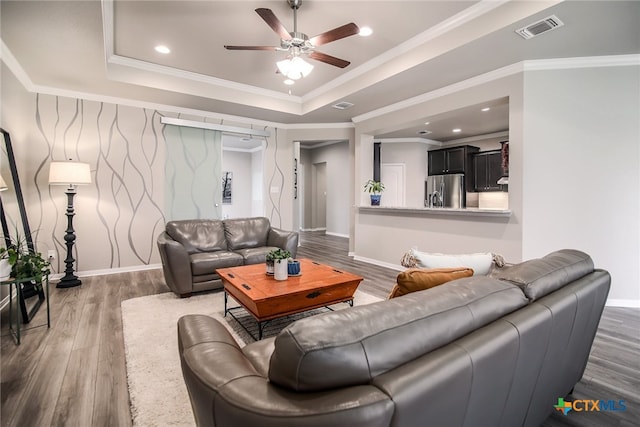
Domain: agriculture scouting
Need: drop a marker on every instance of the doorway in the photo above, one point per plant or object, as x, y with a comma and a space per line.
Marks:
393, 177
319, 197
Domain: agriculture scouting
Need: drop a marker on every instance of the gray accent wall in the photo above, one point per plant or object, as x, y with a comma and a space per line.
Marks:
119, 216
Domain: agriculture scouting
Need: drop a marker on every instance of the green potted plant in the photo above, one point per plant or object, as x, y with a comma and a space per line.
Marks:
24, 262
374, 188
29, 268
280, 259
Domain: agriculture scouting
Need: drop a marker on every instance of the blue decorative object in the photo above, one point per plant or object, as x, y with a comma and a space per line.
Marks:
293, 268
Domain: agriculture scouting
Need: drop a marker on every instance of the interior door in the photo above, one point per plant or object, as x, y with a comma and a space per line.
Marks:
392, 175
193, 173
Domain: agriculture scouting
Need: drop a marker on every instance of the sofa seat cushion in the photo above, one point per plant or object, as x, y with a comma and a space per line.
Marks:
539, 277
255, 255
419, 279
352, 346
198, 235
244, 233
208, 262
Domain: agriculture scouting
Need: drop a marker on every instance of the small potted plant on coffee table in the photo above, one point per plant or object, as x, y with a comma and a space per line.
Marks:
280, 258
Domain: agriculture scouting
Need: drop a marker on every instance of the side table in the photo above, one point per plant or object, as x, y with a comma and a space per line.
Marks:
17, 284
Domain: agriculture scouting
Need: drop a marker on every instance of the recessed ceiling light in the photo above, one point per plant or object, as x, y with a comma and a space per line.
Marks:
162, 49
289, 82
426, 123
365, 31
456, 130
486, 109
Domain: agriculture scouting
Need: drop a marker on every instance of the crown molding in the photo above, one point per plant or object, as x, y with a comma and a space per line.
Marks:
519, 67
403, 140
242, 150
340, 125
503, 134
12, 63
322, 144
213, 126
443, 91
582, 62
443, 27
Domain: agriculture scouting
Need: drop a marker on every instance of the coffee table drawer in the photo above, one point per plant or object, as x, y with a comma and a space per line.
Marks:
294, 303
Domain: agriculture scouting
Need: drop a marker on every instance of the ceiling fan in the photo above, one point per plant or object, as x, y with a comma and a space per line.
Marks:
298, 44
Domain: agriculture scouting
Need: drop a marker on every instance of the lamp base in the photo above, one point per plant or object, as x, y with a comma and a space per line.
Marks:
69, 282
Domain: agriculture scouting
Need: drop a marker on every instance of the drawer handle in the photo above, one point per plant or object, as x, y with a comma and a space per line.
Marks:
313, 295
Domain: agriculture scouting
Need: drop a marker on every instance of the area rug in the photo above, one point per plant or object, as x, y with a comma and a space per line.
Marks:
157, 391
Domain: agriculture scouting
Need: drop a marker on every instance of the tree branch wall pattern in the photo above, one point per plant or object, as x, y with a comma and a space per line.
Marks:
119, 216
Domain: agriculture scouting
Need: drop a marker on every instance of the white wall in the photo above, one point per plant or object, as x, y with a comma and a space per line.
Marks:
581, 166
257, 183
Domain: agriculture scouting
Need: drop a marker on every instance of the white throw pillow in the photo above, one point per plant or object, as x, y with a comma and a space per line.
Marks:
479, 262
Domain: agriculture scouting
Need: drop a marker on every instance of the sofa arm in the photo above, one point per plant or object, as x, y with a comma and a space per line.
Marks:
226, 390
176, 265
287, 240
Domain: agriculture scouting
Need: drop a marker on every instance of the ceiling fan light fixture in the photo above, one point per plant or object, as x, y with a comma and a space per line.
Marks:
365, 31
294, 68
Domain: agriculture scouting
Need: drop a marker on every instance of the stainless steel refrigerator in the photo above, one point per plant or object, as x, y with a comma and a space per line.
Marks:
444, 191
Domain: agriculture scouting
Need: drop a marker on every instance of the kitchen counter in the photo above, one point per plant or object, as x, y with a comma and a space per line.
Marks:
436, 211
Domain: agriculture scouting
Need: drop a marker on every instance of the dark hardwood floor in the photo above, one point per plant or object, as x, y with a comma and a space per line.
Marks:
74, 373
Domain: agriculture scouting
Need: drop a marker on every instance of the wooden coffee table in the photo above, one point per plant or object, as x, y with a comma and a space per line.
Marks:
265, 298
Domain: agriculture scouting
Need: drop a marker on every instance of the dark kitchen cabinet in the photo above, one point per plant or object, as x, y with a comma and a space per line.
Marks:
451, 160
487, 167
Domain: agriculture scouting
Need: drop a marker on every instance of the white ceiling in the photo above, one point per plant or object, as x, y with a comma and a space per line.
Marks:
106, 49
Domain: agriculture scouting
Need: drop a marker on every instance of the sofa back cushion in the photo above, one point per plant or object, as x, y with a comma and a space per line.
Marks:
352, 346
198, 235
419, 279
481, 263
539, 277
242, 233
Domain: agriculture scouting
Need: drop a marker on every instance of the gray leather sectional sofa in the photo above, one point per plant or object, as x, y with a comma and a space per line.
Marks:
477, 351
192, 250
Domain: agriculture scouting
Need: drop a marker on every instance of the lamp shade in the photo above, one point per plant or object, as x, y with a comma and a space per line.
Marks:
3, 185
69, 173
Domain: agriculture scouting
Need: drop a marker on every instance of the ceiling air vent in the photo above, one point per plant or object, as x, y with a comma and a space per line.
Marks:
542, 26
342, 105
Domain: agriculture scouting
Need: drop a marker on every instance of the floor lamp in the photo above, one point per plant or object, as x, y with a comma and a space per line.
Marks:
71, 174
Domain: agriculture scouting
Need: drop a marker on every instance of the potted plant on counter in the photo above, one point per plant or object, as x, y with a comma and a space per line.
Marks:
374, 188
280, 259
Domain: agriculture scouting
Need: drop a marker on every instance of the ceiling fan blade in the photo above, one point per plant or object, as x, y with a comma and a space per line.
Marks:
250, 47
328, 59
275, 24
346, 30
